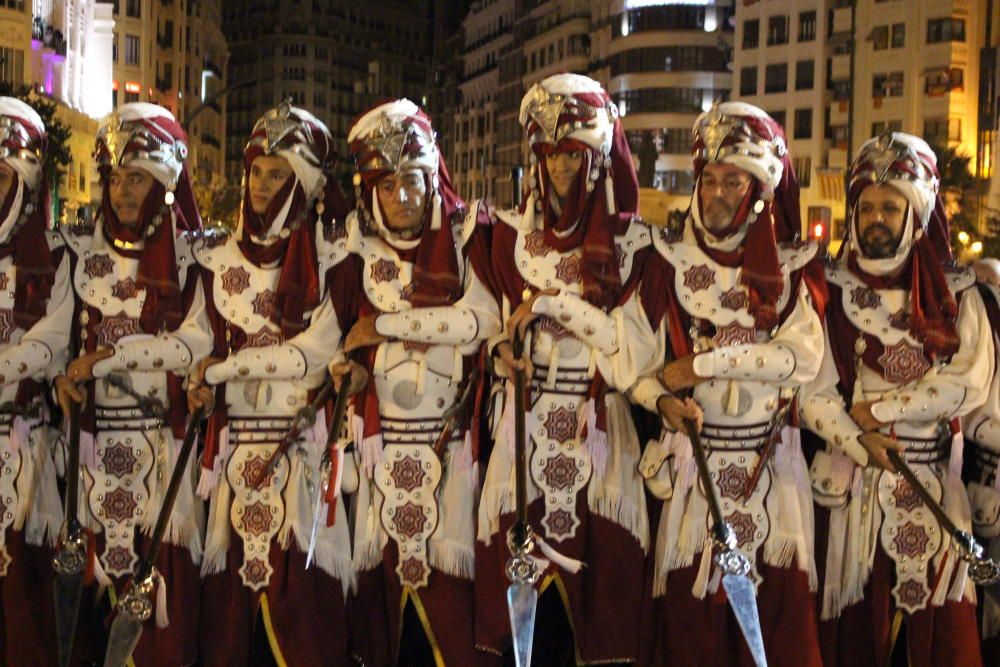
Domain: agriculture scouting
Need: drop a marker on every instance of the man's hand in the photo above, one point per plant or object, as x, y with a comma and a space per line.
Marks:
861, 413
81, 369
359, 376
200, 396
675, 411
197, 375
679, 375
522, 317
363, 334
877, 444
506, 352
67, 393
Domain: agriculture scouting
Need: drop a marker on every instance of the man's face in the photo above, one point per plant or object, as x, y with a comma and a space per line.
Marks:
563, 169
268, 173
722, 188
403, 196
128, 187
881, 216
6, 180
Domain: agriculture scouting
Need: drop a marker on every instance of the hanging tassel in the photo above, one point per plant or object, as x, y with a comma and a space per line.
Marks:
505, 433
550, 378
436, 215
100, 576
421, 377
733, 399
700, 586
20, 435
609, 193
334, 485
88, 448
955, 458
594, 440
162, 620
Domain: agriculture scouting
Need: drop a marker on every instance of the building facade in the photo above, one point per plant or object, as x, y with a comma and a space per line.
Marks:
335, 58
916, 68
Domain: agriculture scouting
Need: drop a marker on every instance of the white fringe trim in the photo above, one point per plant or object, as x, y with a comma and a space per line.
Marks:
453, 558
209, 478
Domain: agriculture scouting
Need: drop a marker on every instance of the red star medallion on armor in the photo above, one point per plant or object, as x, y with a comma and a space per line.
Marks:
7, 325
409, 520
559, 472
534, 243
255, 572
865, 297
253, 469
560, 425
257, 518
558, 523
734, 334
743, 526
414, 346
264, 303
119, 504
4, 281
900, 320
413, 572
119, 460
407, 474
911, 540
911, 593
903, 363
407, 292
119, 559
334, 232
115, 327
905, 496
734, 299
384, 271
98, 266
124, 289
264, 337
568, 269
235, 280
698, 278
732, 481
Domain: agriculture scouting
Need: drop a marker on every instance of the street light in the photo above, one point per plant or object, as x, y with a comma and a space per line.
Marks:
976, 247
963, 238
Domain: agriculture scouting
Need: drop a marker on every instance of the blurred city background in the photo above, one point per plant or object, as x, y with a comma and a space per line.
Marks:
833, 72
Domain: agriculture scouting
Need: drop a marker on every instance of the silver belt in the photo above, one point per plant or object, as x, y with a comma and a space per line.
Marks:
410, 431
252, 430
567, 380
749, 437
923, 450
124, 419
983, 463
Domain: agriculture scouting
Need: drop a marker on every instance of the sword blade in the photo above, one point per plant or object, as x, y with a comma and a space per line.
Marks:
125, 633
522, 601
315, 525
67, 590
743, 600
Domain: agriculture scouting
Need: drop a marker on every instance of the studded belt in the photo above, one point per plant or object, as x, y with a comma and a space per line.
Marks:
252, 430
923, 450
567, 380
410, 431
737, 438
124, 419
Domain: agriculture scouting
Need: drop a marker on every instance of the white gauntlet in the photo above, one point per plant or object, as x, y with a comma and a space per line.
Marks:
275, 362
23, 360
761, 363
929, 400
589, 323
166, 352
443, 325
828, 419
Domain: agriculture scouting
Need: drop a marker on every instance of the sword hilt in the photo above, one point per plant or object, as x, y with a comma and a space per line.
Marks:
137, 602
149, 406
982, 570
72, 555
304, 418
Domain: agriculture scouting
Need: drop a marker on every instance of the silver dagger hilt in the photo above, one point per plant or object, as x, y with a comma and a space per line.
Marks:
72, 557
137, 604
982, 570
726, 554
521, 567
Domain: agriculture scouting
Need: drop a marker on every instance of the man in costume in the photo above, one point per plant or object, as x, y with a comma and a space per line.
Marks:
733, 296
274, 332
908, 351
982, 429
422, 312
566, 266
140, 320
36, 308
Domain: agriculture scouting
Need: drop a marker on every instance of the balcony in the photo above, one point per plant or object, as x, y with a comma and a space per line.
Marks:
46, 36
165, 41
